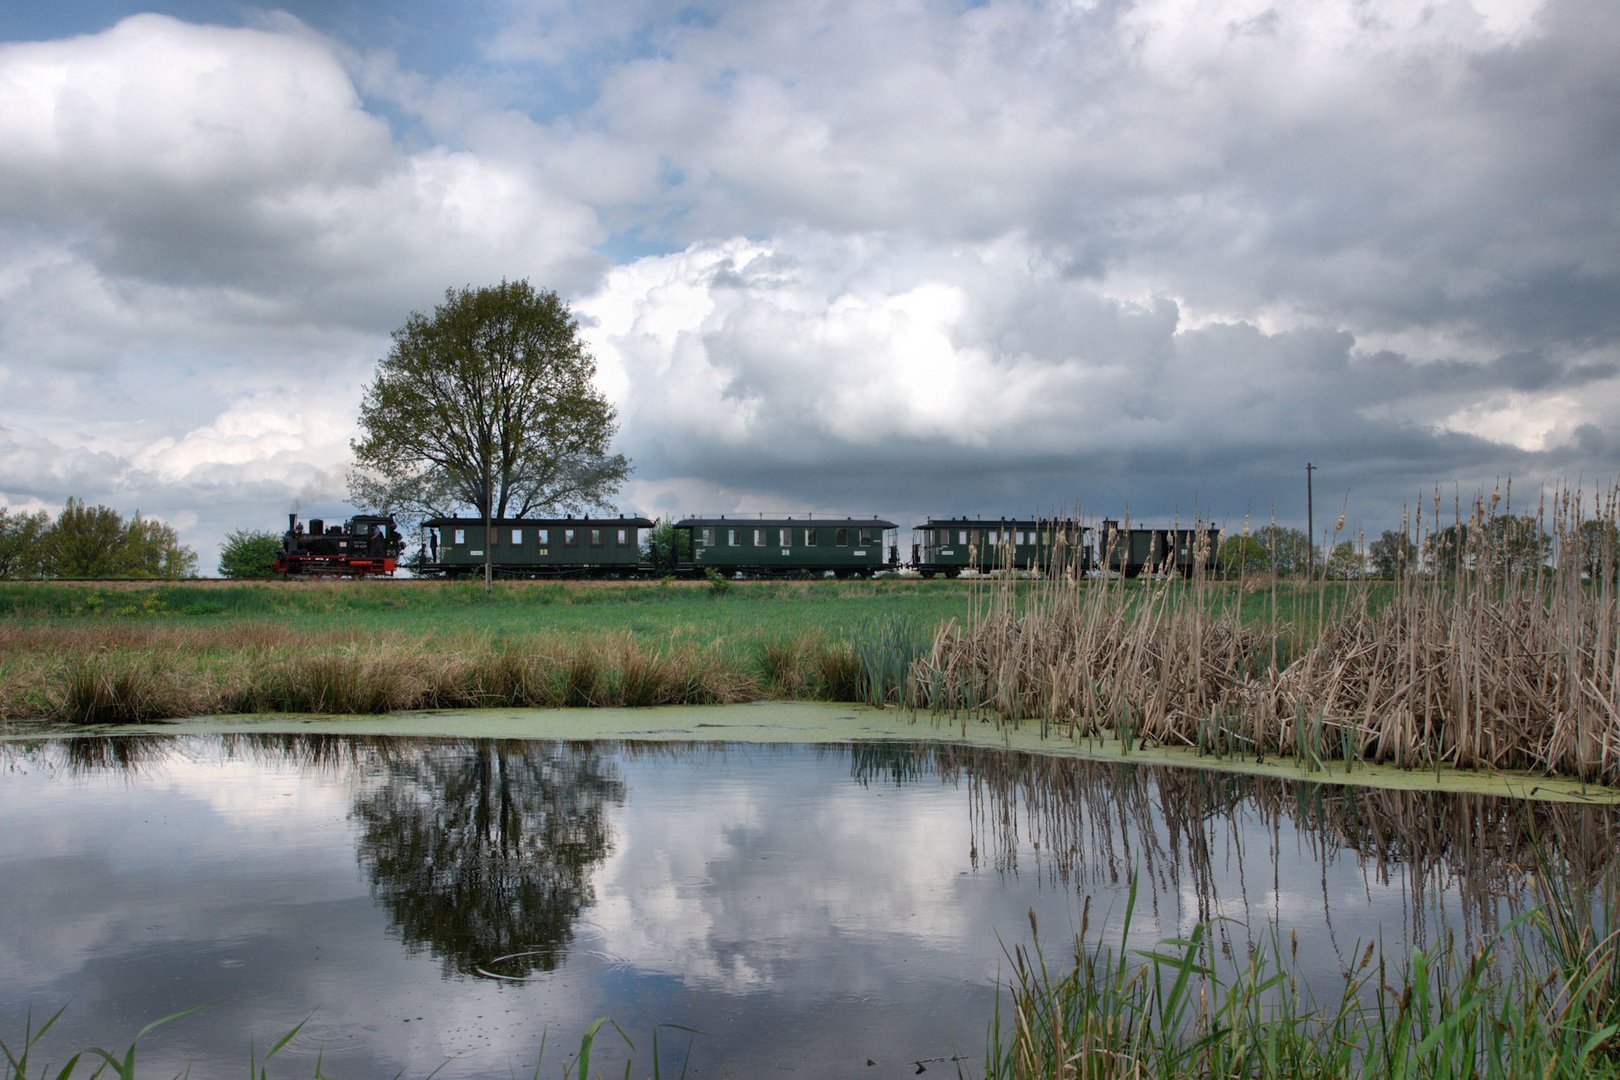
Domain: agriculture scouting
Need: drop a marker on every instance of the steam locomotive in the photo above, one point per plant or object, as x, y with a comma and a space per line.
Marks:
365, 546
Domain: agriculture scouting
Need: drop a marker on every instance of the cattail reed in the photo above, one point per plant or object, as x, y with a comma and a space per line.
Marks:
1498, 649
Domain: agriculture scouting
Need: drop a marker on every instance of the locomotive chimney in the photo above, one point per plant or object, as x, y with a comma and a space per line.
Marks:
292, 522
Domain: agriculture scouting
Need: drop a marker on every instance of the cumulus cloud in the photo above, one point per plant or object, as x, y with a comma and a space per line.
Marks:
895, 377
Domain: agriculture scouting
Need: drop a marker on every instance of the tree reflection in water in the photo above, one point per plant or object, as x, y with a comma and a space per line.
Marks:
482, 851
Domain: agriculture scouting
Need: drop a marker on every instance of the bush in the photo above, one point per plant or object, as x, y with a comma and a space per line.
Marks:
249, 553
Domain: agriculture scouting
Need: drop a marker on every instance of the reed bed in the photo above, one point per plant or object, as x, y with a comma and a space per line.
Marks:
1493, 652
1535, 999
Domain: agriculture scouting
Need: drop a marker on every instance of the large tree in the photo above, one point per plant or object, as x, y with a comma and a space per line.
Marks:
1242, 555
487, 403
1345, 563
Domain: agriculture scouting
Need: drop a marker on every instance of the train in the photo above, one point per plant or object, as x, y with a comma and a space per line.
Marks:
757, 546
368, 545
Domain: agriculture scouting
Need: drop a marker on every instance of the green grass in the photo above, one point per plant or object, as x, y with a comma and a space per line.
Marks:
437, 610
1517, 1004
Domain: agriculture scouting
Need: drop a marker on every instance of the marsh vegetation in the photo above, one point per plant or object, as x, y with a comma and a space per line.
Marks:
1478, 658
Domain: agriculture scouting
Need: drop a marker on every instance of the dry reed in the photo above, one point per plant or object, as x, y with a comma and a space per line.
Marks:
1497, 650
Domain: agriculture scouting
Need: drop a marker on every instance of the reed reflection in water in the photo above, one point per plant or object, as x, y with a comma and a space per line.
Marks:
800, 905
1092, 824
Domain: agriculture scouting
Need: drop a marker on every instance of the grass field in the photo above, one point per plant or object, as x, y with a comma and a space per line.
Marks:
128, 651
432, 610
149, 651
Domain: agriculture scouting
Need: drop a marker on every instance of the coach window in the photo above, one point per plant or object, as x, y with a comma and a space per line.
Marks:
543, 536
809, 538
706, 536
517, 537
624, 537
732, 538
759, 537
866, 538
841, 537
570, 538
961, 537
784, 537
596, 538
461, 536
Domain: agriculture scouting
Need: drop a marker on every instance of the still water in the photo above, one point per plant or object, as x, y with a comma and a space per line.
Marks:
808, 910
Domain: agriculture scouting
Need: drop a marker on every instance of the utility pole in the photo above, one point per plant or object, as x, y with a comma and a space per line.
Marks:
489, 535
1310, 527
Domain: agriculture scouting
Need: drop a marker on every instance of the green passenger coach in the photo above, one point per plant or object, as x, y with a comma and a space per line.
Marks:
534, 547
1133, 551
774, 547
951, 545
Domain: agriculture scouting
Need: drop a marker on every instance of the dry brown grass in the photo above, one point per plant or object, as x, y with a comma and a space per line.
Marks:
1489, 659
133, 674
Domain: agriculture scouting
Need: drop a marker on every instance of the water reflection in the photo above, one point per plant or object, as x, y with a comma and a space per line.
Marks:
483, 848
1092, 824
836, 902
482, 852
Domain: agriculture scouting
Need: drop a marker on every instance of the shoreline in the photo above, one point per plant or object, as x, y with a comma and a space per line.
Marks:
812, 722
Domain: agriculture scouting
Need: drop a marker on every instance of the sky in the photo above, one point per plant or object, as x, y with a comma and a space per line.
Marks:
914, 258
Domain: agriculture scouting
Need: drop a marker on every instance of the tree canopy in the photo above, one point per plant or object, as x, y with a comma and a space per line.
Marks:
487, 404
21, 555
1392, 554
91, 542
1345, 563
1597, 546
1241, 556
1504, 545
249, 553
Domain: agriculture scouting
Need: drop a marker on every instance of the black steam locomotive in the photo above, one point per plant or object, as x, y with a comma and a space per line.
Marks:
364, 546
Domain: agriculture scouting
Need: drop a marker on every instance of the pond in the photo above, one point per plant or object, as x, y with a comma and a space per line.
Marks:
809, 910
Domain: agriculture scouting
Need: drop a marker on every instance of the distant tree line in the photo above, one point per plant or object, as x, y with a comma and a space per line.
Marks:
90, 542
1504, 545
